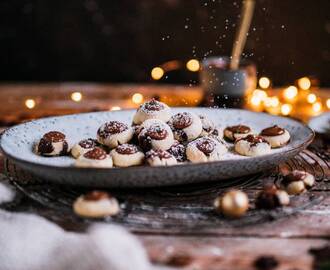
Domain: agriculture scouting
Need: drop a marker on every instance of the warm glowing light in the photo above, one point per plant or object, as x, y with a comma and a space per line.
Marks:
286, 109
304, 83
255, 101
157, 73
30, 103
193, 65
328, 103
262, 95
76, 96
291, 92
311, 98
137, 98
271, 102
115, 108
264, 82
317, 107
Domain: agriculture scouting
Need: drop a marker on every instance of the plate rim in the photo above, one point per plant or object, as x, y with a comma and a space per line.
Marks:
133, 168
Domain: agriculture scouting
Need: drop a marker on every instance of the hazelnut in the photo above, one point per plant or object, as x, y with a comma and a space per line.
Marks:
271, 197
296, 182
232, 204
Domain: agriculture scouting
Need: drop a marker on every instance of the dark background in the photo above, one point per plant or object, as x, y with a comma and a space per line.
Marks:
120, 41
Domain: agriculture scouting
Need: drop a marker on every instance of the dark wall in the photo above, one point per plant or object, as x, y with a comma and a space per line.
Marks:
102, 40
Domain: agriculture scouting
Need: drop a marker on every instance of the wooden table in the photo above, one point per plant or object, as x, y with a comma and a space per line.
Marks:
288, 242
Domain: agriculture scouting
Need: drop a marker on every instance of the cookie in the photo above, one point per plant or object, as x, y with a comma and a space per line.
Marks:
205, 149
152, 109
114, 133
276, 136
234, 133
126, 155
95, 158
155, 134
297, 182
160, 158
52, 143
82, 147
207, 125
252, 145
178, 150
186, 126
96, 204
271, 197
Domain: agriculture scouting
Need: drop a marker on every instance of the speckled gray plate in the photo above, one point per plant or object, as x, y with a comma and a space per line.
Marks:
18, 141
321, 124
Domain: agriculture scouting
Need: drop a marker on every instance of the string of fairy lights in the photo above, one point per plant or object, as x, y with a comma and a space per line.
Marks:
288, 101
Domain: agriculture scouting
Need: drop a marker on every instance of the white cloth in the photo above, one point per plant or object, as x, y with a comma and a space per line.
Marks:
30, 242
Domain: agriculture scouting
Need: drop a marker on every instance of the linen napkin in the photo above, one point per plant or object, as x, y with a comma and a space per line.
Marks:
30, 242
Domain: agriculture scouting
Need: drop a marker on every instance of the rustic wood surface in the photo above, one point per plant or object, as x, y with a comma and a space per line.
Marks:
298, 241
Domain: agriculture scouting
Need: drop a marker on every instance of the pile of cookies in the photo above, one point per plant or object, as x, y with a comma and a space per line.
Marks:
159, 138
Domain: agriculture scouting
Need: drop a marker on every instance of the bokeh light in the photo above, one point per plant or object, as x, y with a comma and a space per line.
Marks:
157, 73
30, 103
304, 83
311, 98
291, 92
76, 96
328, 103
115, 108
317, 107
137, 98
286, 109
193, 65
264, 82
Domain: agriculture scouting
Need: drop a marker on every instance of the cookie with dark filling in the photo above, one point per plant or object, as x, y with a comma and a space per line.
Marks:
276, 136
52, 143
252, 145
126, 155
152, 109
95, 158
186, 126
160, 158
83, 146
233, 133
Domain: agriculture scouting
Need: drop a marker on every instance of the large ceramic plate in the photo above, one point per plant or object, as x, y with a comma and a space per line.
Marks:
17, 144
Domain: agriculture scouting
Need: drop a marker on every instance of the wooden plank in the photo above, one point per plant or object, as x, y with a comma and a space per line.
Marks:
229, 253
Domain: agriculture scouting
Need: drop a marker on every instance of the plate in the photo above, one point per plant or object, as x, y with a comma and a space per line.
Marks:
321, 124
17, 144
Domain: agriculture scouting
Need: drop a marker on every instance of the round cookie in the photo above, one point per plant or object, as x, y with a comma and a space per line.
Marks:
96, 204
160, 158
178, 150
114, 133
52, 143
297, 182
205, 149
95, 158
234, 133
186, 126
271, 197
207, 125
83, 147
276, 136
152, 109
126, 155
252, 145
156, 135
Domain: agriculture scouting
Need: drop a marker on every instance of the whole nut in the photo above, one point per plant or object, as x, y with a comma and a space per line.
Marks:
234, 203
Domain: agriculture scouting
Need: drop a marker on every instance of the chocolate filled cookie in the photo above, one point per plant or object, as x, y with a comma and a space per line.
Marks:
82, 147
126, 155
207, 125
186, 126
114, 133
96, 204
271, 197
276, 136
205, 149
156, 135
297, 182
95, 158
152, 109
160, 158
52, 143
178, 150
252, 145
234, 133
